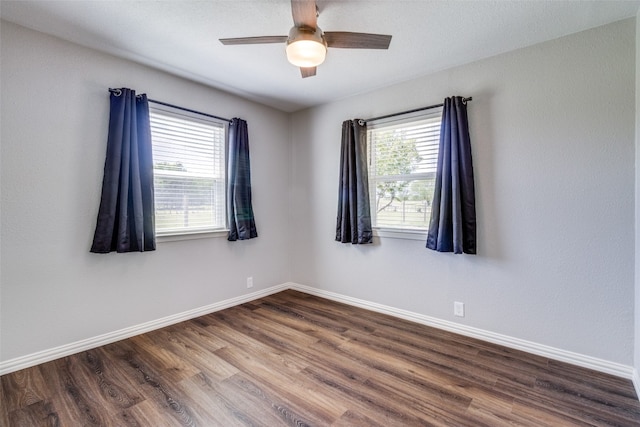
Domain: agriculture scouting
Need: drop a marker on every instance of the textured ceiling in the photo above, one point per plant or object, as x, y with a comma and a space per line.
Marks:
181, 37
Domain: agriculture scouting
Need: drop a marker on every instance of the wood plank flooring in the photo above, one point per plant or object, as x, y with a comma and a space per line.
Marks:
295, 359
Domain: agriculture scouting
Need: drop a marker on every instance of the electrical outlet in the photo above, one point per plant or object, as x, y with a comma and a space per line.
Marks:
249, 282
458, 309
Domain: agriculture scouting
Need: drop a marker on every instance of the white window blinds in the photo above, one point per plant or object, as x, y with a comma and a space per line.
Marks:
403, 157
189, 171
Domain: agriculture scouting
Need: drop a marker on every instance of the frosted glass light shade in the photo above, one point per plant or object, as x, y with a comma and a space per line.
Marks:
306, 47
306, 53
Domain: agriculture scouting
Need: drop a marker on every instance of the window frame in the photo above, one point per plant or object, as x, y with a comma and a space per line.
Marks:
386, 231
194, 116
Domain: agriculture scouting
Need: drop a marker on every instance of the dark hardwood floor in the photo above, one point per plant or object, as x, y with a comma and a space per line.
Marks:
295, 359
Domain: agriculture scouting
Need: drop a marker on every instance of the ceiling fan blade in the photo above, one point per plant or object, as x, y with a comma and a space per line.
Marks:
305, 13
254, 40
344, 39
308, 72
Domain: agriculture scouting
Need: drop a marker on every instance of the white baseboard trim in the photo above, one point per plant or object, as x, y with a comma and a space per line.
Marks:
507, 341
636, 382
33, 359
584, 361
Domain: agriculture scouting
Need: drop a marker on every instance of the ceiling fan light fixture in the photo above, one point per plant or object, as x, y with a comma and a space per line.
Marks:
306, 47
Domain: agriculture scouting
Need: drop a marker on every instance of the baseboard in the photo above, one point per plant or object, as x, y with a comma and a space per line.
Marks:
33, 359
507, 341
636, 382
596, 364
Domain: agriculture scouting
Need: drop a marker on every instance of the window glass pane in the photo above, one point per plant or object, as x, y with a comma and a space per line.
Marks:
403, 204
189, 174
403, 157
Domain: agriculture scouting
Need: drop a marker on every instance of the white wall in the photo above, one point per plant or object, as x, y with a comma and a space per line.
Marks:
54, 112
552, 129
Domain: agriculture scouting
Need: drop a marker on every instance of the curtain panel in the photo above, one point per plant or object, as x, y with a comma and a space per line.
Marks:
126, 218
242, 224
453, 216
354, 213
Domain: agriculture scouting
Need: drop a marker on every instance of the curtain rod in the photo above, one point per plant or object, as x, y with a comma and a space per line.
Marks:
118, 92
363, 121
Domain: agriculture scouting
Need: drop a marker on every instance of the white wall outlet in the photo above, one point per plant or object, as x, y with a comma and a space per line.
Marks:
249, 282
458, 309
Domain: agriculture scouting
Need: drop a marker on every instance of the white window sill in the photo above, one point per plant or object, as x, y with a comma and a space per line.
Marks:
192, 236
397, 233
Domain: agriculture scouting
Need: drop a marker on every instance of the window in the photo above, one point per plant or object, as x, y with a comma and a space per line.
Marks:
189, 171
403, 157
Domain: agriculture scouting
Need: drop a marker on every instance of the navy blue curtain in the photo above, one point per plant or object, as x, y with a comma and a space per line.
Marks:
354, 213
242, 224
126, 219
453, 216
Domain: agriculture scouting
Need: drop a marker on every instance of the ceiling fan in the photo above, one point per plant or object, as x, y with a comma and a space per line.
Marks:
307, 44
